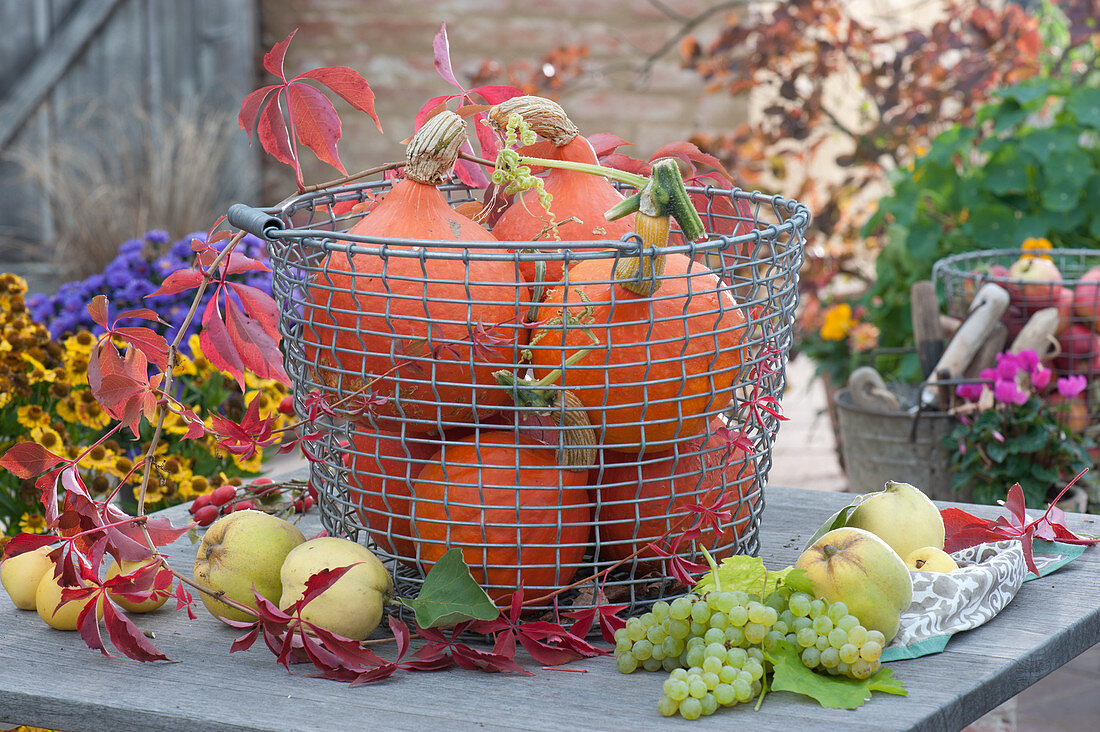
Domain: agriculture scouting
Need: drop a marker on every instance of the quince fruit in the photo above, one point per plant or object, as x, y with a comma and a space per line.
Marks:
931, 559
902, 516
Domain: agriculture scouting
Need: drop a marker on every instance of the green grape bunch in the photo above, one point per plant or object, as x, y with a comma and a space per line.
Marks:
713, 645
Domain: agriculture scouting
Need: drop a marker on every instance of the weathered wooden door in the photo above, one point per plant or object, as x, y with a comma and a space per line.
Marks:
60, 60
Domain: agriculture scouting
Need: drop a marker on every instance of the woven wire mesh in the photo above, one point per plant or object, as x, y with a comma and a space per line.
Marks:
406, 452
1073, 291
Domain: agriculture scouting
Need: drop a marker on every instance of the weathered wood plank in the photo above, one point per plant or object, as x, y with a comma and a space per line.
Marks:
50, 64
49, 678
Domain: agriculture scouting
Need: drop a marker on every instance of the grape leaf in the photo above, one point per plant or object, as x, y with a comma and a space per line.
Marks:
833, 692
748, 574
450, 595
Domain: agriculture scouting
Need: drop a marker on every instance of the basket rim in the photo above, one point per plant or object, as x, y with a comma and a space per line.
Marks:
796, 220
951, 264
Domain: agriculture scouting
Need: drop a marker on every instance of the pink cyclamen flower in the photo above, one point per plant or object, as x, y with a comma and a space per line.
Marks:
1007, 391
1008, 365
1040, 376
1029, 359
970, 392
1071, 386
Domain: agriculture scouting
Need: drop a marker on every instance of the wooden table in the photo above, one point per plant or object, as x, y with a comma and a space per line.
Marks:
49, 678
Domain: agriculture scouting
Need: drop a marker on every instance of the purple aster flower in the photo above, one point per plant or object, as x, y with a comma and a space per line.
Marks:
1008, 392
182, 248
1071, 386
157, 236
166, 264
132, 246
117, 274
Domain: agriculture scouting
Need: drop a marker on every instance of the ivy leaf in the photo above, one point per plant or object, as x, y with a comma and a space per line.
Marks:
832, 692
450, 595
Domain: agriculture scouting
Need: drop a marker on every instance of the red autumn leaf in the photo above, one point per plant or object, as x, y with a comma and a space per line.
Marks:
126, 637
148, 341
97, 309
236, 263
542, 639
690, 154
349, 85
259, 305
274, 135
244, 642
184, 600
29, 460
24, 542
316, 124
604, 143
47, 486
217, 345
178, 281
243, 439
608, 616
627, 163
273, 59
258, 350
310, 117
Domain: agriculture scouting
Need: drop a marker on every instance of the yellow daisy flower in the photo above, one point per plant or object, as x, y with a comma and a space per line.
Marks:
66, 408
48, 438
194, 487
31, 416
32, 523
100, 458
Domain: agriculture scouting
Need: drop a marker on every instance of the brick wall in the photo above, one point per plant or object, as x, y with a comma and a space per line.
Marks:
389, 42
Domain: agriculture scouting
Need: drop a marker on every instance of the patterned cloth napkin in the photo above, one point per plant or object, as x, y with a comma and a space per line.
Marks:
989, 576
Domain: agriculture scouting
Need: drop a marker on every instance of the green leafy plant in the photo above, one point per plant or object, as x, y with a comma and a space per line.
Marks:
1028, 168
1018, 437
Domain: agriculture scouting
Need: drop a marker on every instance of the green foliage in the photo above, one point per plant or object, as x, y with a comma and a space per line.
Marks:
1028, 168
832, 692
748, 574
450, 595
1009, 444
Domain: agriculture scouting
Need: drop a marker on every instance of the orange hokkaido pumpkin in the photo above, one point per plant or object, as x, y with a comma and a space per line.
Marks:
642, 498
505, 503
427, 331
579, 199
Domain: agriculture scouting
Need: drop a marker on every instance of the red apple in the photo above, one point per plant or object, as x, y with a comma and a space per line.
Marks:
1064, 302
1080, 351
1035, 280
1086, 297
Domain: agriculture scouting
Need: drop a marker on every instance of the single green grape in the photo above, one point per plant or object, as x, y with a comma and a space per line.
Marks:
714, 635
877, 637
862, 668
660, 609
847, 623
736, 657
672, 646
694, 656
655, 634
718, 620
755, 632
870, 651
724, 601
742, 690
817, 607
652, 664
837, 637
635, 629
823, 624
849, 653
830, 657
678, 628
857, 635
709, 703
772, 639
738, 615
734, 636
799, 604
691, 708
716, 650
837, 610
671, 663
697, 687
697, 628
626, 663
713, 664
679, 674
811, 657
756, 653
757, 612
754, 668
680, 608
724, 694
642, 649
807, 637
802, 622
667, 706
710, 679
727, 674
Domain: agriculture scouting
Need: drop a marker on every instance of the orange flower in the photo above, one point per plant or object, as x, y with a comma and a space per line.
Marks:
863, 337
1036, 244
838, 321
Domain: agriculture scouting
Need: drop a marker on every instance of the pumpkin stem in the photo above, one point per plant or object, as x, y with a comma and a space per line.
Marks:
543, 116
577, 450
663, 196
433, 150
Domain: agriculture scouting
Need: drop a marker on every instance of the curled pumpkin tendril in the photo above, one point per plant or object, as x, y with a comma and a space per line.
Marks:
516, 177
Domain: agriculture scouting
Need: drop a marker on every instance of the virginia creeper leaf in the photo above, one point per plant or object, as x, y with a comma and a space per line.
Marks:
257, 349
441, 54
315, 122
97, 309
29, 459
273, 59
251, 107
349, 85
450, 595
273, 133
217, 345
127, 638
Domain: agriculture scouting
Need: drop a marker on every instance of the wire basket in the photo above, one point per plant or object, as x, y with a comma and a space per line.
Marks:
1074, 291
422, 441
